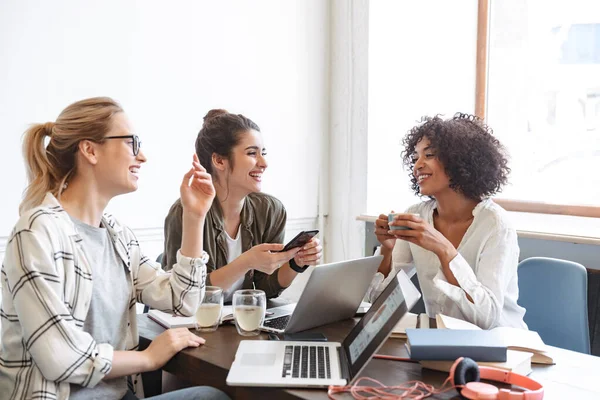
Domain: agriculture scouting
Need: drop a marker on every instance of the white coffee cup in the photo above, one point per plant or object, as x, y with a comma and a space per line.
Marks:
391, 217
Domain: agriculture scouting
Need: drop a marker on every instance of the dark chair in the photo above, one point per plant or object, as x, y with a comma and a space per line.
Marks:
554, 294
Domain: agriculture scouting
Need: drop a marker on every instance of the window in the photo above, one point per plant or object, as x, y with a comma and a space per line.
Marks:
581, 44
540, 93
420, 63
543, 99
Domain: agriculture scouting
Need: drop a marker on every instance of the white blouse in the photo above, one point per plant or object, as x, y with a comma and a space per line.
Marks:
485, 268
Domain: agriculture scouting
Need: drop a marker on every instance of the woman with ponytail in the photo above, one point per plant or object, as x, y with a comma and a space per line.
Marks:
244, 227
72, 274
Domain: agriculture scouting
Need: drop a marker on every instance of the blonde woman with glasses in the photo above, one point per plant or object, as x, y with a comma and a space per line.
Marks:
72, 274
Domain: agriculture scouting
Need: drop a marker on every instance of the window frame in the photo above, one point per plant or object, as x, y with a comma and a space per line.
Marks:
481, 96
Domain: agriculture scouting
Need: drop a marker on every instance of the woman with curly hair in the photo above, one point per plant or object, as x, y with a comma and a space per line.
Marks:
461, 243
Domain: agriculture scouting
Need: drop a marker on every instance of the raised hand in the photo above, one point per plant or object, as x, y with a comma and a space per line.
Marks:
197, 191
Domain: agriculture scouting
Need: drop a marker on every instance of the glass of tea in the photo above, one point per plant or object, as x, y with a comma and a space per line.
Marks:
249, 307
208, 316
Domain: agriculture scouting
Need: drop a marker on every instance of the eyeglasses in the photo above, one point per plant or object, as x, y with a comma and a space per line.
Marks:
135, 144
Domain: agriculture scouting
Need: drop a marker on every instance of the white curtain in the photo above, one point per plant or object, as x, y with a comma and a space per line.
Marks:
345, 188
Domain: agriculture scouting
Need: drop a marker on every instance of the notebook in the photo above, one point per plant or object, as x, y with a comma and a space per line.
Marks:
516, 361
172, 321
512, 338
450, 344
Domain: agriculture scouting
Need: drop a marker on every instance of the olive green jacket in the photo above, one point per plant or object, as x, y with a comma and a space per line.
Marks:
262, 220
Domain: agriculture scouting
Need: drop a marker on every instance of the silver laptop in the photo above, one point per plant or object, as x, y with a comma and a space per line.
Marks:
319, 364
333, 292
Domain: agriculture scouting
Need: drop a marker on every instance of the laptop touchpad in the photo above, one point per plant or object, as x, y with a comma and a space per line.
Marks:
262, 359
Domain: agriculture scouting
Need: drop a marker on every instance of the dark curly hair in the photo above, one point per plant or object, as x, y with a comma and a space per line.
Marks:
474, 160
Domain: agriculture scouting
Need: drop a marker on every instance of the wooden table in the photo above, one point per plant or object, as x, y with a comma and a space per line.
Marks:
575, 375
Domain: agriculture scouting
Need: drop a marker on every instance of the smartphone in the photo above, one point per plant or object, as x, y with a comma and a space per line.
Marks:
300, 240
305, 337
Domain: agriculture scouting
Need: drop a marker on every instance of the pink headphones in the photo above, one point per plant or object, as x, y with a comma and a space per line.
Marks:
465, 375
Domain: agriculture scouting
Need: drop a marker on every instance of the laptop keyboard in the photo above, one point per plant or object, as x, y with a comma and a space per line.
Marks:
306, 362
278, 323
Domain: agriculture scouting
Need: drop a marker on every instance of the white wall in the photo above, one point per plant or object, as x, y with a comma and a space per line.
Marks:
168, 63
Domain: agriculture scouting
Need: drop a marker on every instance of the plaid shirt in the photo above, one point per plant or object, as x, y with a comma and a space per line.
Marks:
46, 292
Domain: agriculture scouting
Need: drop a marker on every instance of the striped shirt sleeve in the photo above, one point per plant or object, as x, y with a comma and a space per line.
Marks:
179, 291
62, 351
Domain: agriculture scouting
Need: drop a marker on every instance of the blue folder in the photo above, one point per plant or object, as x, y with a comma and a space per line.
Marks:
450, 344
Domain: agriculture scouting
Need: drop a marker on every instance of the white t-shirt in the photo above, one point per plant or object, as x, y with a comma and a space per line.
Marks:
234, 250
485, 268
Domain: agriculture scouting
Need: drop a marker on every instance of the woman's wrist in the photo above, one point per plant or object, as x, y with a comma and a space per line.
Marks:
295, 266
192, 235
446, 254
242, 263
386, 264
147, 361
128, 362
386, 251
193, 218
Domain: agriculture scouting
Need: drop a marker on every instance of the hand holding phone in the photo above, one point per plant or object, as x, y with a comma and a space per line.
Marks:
300, 240
267, 257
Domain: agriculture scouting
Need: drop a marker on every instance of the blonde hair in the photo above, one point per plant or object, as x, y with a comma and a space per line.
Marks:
50, 167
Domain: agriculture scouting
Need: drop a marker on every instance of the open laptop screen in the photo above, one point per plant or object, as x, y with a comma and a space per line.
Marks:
374, 327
